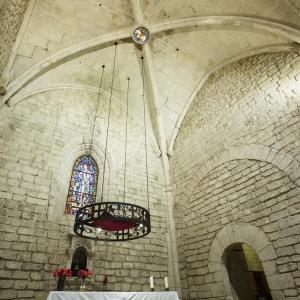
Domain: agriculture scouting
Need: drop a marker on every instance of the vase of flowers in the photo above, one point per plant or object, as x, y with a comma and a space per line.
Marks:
61, 274
83, 274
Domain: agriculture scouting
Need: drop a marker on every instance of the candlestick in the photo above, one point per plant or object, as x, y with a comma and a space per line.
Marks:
151, 283
166, 284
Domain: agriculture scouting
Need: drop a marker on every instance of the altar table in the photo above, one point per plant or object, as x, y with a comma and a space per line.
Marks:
113, 295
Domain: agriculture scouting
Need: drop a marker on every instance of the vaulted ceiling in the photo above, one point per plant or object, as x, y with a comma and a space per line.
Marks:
63, 44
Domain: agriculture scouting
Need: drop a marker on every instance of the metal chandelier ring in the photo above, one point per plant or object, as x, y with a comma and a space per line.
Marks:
112, 221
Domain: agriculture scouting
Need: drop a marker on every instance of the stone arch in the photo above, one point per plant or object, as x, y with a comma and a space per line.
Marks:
236, 231
256, 51
245, 233
77, 242
93, 91
279, 158
79, 259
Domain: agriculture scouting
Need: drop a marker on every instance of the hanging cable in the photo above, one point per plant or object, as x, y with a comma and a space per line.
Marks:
112, 220
96, 111
145, 136
108, 123
126, 130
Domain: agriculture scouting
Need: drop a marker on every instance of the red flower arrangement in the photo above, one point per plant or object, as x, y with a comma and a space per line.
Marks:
62, 272
84, 273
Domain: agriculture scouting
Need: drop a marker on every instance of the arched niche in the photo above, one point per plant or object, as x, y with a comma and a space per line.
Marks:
79, 247
258, 152
246, 274
236, 233
79, 260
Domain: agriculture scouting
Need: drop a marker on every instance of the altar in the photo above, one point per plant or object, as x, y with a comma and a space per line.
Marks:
57, 295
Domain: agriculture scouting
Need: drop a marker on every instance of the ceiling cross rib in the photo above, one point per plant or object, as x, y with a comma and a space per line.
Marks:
62, 56
154, 106
151, 82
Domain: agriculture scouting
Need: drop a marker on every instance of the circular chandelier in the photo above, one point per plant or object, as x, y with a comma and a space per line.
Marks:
111, 220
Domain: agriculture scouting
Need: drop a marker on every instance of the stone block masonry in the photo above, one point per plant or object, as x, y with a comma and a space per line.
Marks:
38, 148
236, 159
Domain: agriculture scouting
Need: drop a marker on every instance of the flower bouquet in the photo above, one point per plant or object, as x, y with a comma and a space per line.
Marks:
83, 274
61, 275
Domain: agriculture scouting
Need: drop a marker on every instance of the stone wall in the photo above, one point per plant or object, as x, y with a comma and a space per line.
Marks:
40, 138
236, 160
11, 16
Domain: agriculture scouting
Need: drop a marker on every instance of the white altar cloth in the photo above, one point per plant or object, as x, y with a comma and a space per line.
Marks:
113, 295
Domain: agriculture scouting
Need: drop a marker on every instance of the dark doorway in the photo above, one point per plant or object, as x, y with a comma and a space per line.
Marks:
246, 274
79, 260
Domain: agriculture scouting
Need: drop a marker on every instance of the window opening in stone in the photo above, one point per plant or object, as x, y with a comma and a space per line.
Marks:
79, 260
246, 274
83, 184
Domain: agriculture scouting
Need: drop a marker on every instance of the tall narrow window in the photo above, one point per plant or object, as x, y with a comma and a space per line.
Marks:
83, 185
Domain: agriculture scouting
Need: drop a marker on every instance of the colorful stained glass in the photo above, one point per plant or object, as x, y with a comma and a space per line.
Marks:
83, 184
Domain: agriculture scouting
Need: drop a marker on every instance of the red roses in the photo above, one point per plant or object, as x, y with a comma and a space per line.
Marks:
62, 272
83, 273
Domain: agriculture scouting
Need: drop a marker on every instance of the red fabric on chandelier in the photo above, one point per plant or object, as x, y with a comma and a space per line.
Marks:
109, 222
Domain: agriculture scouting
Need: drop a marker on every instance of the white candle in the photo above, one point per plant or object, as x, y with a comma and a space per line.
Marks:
151, 283
166, 283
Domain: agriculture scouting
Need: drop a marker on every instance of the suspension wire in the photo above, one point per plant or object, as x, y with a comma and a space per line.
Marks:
108, 123
96, 111
145, 128
126, 131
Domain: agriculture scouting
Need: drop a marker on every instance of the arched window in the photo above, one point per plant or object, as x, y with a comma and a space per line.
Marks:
79, 260
83, 185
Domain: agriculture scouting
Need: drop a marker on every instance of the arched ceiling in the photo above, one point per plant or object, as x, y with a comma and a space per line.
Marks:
199, 52
65, 43
274, 9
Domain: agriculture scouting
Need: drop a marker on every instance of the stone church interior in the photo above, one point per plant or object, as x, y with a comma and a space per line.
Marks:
150, 148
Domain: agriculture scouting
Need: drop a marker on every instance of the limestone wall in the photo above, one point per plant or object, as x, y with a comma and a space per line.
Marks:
11, 16
40, 139
236, 161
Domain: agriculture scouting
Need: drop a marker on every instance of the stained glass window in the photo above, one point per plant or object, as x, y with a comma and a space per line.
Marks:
83, 184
